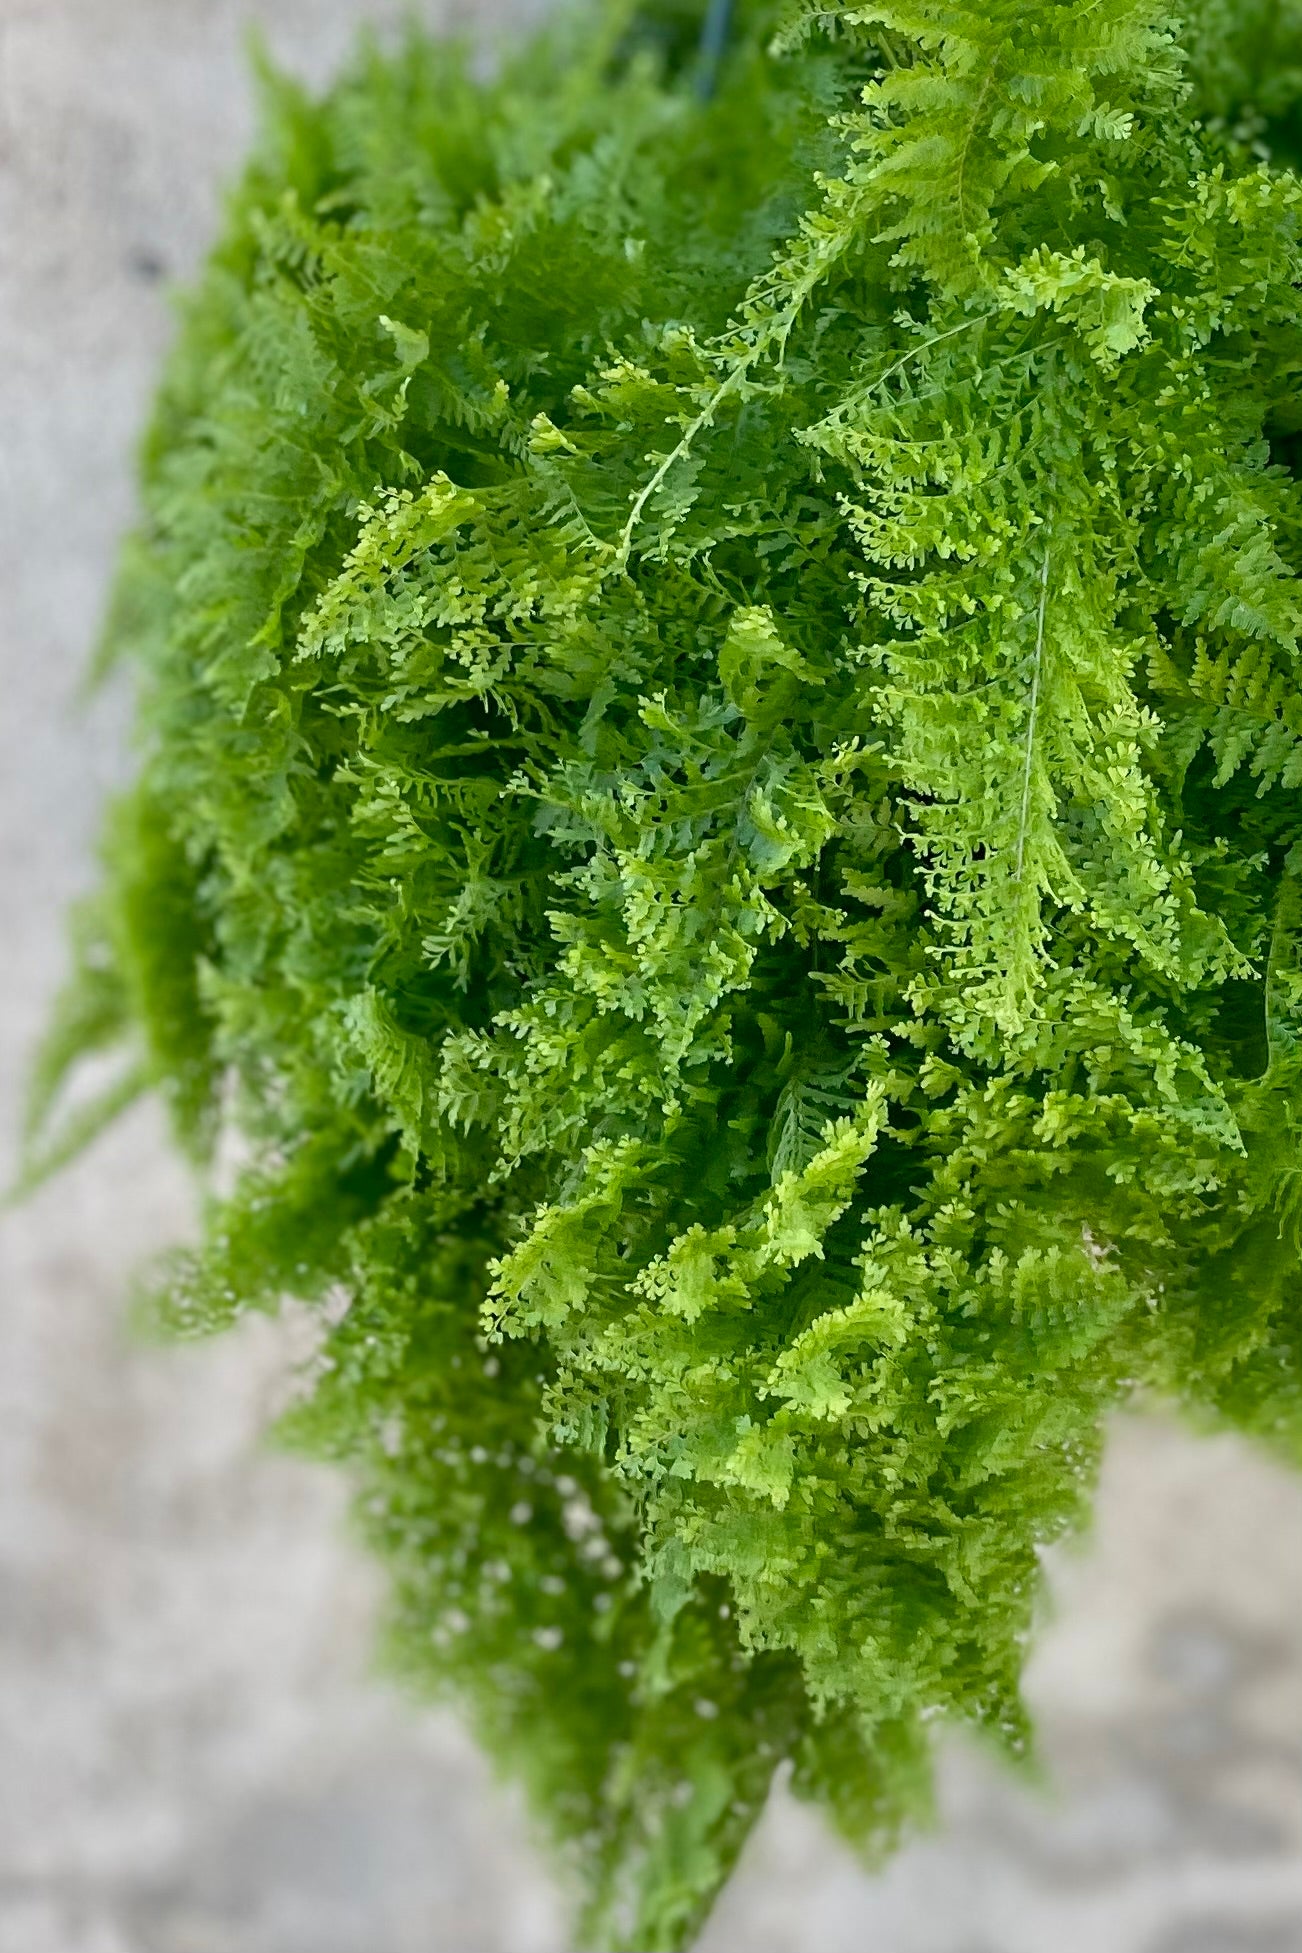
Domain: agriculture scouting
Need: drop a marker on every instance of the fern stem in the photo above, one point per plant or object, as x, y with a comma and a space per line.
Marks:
1025, 812
916, 352
777, 334
703, 420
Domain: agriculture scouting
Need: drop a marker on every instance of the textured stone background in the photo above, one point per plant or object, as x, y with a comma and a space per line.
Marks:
194, 1757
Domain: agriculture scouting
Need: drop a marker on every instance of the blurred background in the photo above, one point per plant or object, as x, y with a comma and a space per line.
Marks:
194, 1754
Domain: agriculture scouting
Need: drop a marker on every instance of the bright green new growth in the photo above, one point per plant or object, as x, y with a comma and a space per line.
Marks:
719, 807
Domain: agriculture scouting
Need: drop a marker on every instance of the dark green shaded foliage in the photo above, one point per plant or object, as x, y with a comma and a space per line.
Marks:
718, 806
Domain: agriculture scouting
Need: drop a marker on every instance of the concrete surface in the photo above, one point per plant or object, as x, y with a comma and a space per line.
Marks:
193, 1755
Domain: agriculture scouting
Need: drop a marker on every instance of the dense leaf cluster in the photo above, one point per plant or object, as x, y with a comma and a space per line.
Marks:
718, 807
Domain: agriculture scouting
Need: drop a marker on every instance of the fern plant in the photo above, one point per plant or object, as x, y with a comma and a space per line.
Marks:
717, 641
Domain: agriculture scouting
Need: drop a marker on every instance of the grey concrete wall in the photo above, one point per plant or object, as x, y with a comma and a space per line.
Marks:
194, 1757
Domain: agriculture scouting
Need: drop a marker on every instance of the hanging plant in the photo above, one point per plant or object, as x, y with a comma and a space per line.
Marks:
716, 630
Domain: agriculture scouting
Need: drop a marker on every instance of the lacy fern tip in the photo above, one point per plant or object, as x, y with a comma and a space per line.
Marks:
716, 626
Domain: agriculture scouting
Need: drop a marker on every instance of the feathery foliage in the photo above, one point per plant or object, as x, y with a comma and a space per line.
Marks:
717, 804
